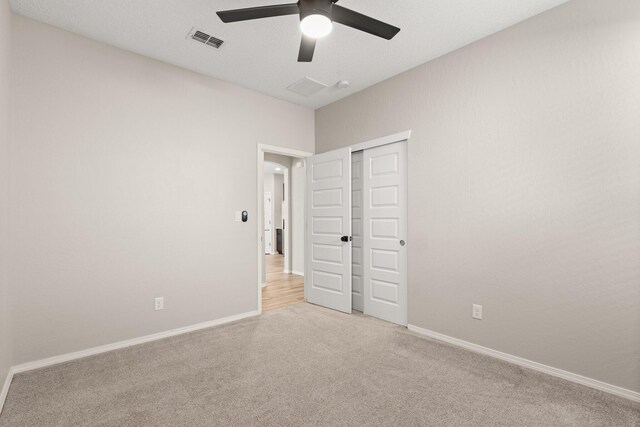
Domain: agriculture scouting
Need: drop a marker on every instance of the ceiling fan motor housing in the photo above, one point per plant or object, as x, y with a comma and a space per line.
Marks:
315, 7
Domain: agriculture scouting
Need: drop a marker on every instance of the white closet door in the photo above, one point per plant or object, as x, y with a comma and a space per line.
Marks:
356, 230
384, 220
328, 276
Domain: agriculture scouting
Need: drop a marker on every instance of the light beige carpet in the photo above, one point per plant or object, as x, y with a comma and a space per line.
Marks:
303, 365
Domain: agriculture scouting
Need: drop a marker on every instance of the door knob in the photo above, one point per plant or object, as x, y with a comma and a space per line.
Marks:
346, 238
402, 243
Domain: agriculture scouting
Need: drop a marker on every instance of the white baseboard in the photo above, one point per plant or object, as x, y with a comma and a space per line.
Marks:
298, 273
127, 343
5, 388
569, 376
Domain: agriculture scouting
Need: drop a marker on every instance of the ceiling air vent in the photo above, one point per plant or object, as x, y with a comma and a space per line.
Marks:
306, 86
202, 37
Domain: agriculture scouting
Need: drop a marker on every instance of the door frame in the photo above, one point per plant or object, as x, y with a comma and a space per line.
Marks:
261, 150
385, 140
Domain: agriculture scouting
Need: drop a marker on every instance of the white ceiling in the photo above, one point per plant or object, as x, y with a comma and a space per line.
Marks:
273, 168
262, 54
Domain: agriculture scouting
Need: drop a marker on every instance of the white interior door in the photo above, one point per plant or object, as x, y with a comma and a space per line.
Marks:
268, 223
328, 275
384, 230
356, 230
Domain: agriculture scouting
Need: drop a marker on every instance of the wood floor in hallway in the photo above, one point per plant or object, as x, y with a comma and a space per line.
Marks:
282, 288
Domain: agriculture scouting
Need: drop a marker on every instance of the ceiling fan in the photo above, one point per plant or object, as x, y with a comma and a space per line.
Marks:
316, 21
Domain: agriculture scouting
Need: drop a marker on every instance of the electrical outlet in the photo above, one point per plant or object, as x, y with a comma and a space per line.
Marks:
476, 311
159, 303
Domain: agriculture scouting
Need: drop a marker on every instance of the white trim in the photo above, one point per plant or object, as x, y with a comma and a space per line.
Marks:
297, 273
261, 149
273, 149
569, 376
5, 388
115, 346
390, 139
127, 343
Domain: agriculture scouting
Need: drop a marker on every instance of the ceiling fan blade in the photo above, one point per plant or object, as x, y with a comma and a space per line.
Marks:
362, 22
258, 12
307, 47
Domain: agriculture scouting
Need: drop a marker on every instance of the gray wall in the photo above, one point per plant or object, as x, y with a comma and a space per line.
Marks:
278, 180
126, 176
298, 185
5, 56
524, 186
269, 184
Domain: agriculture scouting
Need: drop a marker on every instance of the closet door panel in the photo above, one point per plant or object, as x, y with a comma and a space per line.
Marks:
327, 247
357, 230
384, 211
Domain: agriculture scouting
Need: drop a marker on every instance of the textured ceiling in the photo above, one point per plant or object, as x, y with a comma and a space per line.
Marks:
262, 54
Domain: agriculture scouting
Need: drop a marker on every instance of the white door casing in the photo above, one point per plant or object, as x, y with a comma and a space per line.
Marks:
268, 223
328, 275
356, 230
384, 232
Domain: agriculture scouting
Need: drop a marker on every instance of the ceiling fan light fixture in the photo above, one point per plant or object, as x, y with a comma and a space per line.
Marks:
316, 21
316, 26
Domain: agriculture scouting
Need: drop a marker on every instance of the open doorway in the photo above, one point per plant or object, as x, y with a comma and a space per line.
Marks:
281, 229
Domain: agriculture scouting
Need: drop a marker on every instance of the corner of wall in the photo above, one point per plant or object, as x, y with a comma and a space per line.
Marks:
5, 134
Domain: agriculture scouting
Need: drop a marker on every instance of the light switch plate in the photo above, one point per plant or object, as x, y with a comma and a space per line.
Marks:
476, 311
